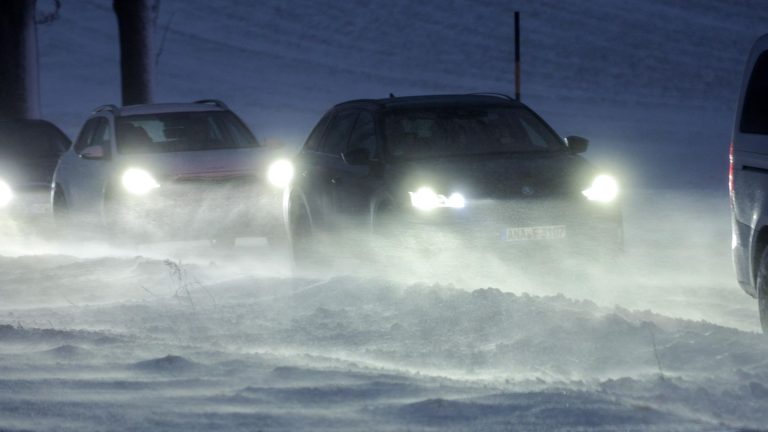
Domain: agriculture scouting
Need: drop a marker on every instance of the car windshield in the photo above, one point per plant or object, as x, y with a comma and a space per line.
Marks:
30, 140
457, 131
182, 131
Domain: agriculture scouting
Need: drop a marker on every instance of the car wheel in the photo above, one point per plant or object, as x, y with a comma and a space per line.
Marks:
762, 290
302, 238
114, 225
386, 242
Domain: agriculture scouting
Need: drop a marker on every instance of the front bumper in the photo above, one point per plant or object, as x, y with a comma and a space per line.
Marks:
199, 208
517, 225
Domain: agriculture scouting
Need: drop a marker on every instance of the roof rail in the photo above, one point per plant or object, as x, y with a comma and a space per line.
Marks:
498, 95
373, 101
109, 107
215, 102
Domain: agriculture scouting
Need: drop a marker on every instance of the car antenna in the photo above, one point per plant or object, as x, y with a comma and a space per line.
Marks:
391, 95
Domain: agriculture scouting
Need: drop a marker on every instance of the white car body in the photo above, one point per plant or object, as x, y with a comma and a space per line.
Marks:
196, 193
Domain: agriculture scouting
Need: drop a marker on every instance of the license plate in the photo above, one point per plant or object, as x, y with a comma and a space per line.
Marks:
550, 232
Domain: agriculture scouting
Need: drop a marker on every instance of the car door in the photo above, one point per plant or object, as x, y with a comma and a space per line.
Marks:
320, 168
90, 168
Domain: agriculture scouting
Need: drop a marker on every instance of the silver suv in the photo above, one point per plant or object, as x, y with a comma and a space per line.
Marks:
748, 180
191, 170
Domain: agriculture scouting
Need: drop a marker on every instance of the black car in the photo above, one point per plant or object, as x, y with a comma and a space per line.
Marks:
483, 168
29, 151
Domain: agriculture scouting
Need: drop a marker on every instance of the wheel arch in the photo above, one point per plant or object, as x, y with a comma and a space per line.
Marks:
58, 187
292, 196
760, 243
379, 203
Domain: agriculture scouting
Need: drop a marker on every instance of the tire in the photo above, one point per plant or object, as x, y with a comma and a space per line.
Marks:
762, 290
61, 215
303, 245
116, 232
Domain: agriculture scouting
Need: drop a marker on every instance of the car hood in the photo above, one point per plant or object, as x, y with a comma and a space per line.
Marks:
498, 176
22, 173
204, 164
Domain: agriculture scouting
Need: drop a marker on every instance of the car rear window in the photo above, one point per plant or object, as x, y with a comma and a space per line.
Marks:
754, 114
182, 131
456, 131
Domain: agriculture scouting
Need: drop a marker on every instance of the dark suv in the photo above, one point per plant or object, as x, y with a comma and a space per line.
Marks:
29, 150
482, 167
748, 180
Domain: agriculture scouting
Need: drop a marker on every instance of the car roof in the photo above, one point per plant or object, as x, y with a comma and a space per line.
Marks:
158, 108
22, 122
436, 100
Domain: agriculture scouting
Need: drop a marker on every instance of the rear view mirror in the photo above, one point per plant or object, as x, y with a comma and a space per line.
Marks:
92, 152
577, 144
358, 156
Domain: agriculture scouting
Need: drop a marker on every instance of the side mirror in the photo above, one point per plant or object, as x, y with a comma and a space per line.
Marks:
577, 144
358, 156
92, 152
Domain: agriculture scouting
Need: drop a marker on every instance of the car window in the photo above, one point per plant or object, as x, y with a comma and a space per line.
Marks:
457, 131
337, 135
86, 134
102, 137
182, 131
754, 114
364, 135
313, 142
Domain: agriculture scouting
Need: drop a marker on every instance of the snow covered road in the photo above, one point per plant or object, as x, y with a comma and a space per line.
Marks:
179, 337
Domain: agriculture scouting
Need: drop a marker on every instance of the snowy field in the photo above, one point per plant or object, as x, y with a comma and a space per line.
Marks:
180, 337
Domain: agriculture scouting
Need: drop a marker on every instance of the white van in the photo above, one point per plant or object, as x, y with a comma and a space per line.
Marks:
748, 180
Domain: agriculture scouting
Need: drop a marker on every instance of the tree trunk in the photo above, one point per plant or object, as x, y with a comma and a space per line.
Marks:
135, 23
19, 74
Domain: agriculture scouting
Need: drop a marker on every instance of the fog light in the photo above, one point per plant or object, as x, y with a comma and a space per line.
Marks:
138, 181
280, 173
6, 194
604, 189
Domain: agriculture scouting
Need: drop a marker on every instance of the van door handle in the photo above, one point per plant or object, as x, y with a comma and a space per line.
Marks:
335, 180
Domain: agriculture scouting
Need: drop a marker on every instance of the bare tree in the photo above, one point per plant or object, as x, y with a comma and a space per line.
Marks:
135, 20
19, 73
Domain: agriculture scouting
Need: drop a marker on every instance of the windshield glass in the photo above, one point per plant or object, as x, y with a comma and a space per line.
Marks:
182, 131
455, 131
31, 140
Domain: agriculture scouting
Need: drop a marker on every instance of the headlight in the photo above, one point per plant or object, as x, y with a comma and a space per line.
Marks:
138, 181
604, 189
426, 199
6, 193
280, 173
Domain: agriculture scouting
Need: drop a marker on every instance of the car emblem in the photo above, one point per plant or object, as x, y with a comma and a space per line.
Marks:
527, 190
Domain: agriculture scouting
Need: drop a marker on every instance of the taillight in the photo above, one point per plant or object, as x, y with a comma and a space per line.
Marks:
730, 169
